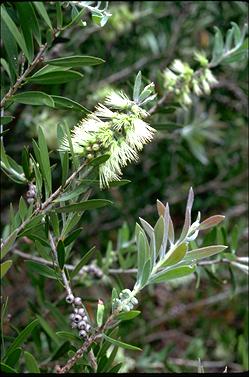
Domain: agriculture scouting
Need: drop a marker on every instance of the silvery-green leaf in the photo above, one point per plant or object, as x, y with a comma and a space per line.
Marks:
187, 221
137, 86
145, 273
172, 273
204, 252
147, 227
159, 233
175, 255
171, 233
166, 230
143, 253
100, 313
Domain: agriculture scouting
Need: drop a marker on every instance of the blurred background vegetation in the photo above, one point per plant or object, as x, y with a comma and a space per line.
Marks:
205, 147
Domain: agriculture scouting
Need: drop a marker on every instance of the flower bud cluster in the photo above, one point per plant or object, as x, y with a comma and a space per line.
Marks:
125, 302
31, 193
79, 318
182, 80
93, 270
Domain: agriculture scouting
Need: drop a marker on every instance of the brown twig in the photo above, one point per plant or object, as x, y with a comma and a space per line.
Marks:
46, 205
20, 80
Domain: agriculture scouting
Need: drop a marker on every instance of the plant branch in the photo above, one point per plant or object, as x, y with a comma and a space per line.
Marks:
70, 363
114, 271
63, 275
20, 80
46, 205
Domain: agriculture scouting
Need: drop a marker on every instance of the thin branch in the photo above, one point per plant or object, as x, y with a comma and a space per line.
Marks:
46, 205
114, 271
63, 275
20, 80
70, 363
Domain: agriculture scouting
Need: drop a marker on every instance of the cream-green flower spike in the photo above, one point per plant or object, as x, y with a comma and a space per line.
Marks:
116, 128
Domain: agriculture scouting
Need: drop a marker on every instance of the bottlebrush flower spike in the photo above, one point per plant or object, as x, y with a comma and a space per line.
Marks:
116, 128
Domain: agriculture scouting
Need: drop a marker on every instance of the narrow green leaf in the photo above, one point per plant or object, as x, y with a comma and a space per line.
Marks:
122, 182
61, 253
34, 98
31, 363
12, 359
75, 19
75, 61
175, 255
4, 267
116, 368
67, 336
110, 360
82, 262
59, 14
121, 344
159, 233
147, 227
57, 77
6, 119
47, 328
100, 160
10, 47
72, 194
218, 47
72, 237
49, 69
137, 87
172, 273
85, 205
23, 335
66, 103
14, 31
25, 163
7, 246
6, 67
229, 38
34, 23
7, 369
42, 10
145, 273
71, 221
64, 166
143, 253
204, 252
237, 33
128, 315
114, 296
45, 164
41, 269
187, 220
22, 208
100, 313
24, 11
